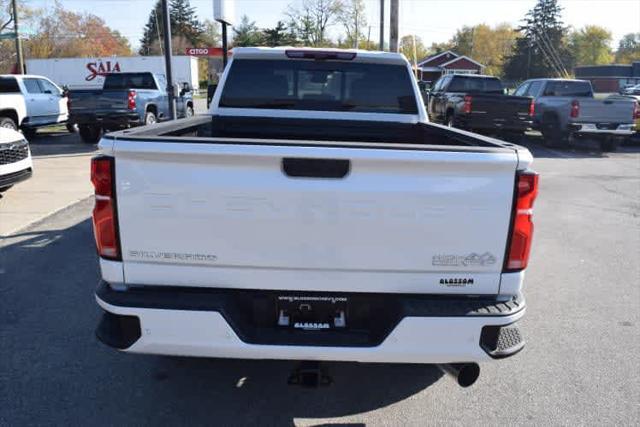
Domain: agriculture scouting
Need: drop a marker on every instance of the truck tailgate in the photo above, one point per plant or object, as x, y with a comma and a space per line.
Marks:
227, 215
605, 111
98, 100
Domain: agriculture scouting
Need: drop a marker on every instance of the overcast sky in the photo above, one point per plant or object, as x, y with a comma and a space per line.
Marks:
432, 20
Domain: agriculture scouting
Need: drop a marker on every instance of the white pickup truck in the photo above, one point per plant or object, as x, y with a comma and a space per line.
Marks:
313, 215
29, 102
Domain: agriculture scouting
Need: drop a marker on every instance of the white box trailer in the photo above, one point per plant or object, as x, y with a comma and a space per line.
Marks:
88, 73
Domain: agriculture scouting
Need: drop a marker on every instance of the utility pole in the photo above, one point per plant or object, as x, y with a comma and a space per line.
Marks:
166, 27
17, 35
393, 30
225, 50
381, 47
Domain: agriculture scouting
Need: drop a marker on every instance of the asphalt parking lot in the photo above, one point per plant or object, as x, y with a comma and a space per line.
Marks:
582, 327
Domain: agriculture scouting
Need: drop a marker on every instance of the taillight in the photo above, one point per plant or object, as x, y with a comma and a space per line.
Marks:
68, 103
532, 108
522, 226
575, 108
466, 107
636, 110
131, 100
104, 211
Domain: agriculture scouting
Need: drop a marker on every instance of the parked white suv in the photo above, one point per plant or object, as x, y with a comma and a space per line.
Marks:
28, 102
15, 158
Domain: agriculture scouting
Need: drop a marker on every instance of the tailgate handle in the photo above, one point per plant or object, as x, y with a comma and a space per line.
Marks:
316, 168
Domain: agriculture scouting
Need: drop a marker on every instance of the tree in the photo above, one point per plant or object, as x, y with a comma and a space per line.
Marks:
280, 35
63, 34
590, 45
352, 16
186, 29
541, 50
247, 33
628, 49
311, 20
485, 44
407, 48
211, 33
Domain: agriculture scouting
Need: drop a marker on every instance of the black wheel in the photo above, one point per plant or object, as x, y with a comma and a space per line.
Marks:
608, 145
552, 133
90, 134
8, 123
150, 118
72, 127
29, 133
450, 121
5, 188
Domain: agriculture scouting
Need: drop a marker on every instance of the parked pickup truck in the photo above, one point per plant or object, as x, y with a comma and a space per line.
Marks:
479, 104
29, 102
565, 112
126, 100
314, 215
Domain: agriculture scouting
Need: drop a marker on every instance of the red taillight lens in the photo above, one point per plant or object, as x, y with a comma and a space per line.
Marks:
522, 228
575, 109
636, 110
532, 108
466, 107
131, 100
104, 212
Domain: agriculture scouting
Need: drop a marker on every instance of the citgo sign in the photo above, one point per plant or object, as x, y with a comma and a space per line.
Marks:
204, 51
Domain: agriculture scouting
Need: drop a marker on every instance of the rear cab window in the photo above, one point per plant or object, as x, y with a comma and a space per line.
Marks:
129, 81
9, 85
475, 84
320, 86
568, 88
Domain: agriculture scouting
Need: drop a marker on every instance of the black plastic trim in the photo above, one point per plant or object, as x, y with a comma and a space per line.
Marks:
118, 331
15, 177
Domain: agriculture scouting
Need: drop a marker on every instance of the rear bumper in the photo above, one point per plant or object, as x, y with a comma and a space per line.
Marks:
229, 324
598, 129
107, 119
485, 123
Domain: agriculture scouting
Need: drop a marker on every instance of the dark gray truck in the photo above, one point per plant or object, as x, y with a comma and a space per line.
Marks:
479, 104
126, 100
566, 112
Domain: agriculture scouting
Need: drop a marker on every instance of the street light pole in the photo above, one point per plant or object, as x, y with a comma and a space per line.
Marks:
17, 35
166, 26
393, 27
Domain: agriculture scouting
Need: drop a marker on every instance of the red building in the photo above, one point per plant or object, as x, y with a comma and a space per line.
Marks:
433, 67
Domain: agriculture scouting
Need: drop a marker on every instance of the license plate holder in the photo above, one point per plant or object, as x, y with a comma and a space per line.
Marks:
312, 312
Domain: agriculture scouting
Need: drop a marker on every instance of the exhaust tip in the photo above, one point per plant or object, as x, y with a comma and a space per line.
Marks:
466, 374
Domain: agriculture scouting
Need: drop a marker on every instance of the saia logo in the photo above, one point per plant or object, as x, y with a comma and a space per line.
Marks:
101, 68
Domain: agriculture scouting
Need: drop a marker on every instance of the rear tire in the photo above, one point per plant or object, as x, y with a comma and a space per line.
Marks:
150, 118
5, 188
552, 134
90, 134
29, 133
450, 121
609, 145
8, 123
189, 111
72, 127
